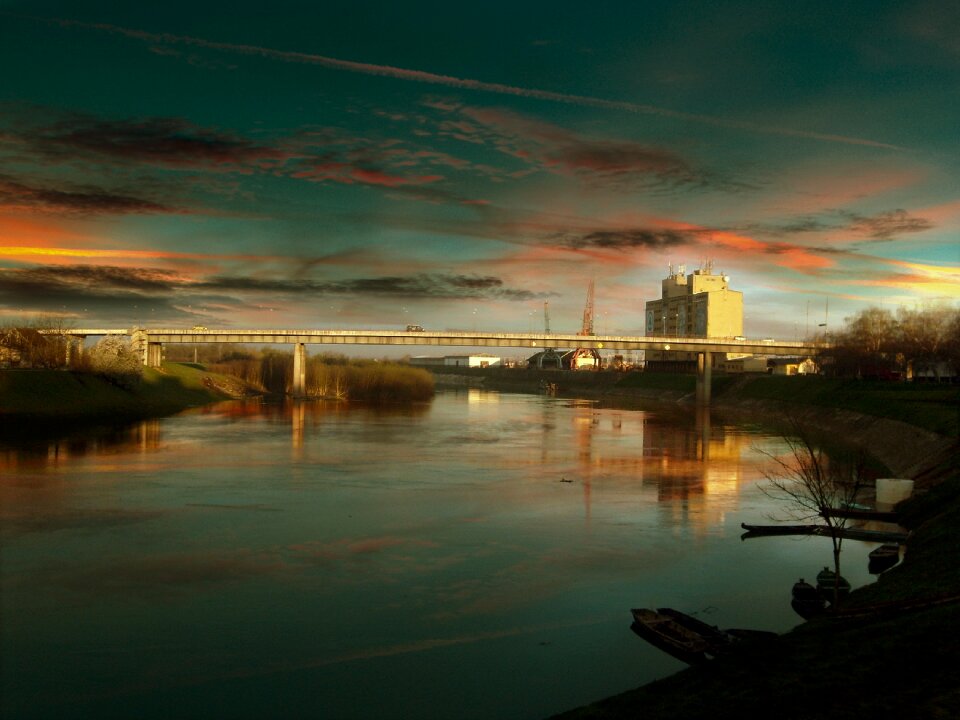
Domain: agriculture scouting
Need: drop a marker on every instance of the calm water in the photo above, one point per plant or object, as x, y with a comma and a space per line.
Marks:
256, 561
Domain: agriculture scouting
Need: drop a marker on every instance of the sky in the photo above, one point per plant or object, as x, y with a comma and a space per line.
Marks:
459, 165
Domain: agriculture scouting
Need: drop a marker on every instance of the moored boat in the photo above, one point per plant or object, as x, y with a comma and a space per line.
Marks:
779, 529
717, 639
883, 558
670, 636
828, 582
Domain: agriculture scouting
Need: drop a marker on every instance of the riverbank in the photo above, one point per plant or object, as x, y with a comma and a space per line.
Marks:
64, 396
891, 654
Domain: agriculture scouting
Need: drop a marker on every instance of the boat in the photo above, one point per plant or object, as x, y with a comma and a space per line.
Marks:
806, 600
883, 558
717, 639
670, 636
828, 582
898, 536
847, 533
757, 530
860, 512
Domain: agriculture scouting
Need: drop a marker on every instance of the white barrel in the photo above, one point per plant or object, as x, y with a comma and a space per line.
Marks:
890, 491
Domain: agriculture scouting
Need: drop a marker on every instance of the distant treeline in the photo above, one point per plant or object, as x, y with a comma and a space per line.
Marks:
909, 343
328, 375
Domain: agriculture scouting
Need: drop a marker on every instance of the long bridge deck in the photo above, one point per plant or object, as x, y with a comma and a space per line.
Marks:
150, 341
459, 338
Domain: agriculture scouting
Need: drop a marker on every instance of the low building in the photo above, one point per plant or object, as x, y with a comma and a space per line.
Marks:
747, 364
792, 366
469, 361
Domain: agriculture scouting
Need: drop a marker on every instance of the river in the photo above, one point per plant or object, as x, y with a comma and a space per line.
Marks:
475, 557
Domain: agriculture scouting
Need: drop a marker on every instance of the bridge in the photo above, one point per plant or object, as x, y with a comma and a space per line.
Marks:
149, 342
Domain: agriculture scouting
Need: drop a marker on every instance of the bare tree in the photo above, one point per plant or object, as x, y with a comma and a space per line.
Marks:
925, 337
811, 484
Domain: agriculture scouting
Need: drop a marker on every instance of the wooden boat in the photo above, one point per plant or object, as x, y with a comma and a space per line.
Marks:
720, 640
883, 558
757, 530
670, 636
860, 513
717, 639
898, 536
828, 582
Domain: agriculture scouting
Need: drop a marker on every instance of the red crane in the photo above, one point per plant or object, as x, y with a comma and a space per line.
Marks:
586, 329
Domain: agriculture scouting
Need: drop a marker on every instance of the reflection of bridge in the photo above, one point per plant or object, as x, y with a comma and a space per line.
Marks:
150, 341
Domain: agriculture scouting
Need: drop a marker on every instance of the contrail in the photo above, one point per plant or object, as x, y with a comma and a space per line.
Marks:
464, 83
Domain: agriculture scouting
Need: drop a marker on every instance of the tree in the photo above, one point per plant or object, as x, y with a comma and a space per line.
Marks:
865, 347
925, 337
811, 483
114, 358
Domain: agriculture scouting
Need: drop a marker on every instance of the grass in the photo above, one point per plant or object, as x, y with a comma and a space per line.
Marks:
61, 394
926, 405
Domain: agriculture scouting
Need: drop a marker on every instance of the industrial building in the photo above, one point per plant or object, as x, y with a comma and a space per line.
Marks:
700, 304
468, 361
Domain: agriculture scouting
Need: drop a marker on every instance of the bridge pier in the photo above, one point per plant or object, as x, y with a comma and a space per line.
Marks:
74, 345
299, 385
704, 363
154, 354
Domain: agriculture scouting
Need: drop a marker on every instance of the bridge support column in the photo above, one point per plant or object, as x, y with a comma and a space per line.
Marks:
69, 341
154, 354
704, 363
299, 384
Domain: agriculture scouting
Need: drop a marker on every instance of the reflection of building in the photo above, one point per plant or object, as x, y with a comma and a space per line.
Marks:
700, 304
471, 361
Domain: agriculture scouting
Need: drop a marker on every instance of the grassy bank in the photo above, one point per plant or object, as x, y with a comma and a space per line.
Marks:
929, 406
61, 394
893, 652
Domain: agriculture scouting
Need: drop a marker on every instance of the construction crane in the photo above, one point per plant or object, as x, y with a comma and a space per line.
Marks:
591, 356
587, 328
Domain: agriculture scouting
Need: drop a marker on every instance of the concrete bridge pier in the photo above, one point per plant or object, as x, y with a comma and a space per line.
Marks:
704, 363
154, 354
74, 346
299, 384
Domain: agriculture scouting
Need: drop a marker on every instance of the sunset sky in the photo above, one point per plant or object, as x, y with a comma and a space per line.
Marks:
456, 165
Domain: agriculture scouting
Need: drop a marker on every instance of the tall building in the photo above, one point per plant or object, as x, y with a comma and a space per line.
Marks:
700, 304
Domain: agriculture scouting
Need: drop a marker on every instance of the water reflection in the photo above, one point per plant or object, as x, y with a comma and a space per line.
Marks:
317, 551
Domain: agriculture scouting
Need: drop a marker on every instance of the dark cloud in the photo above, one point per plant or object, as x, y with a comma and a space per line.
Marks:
101, 277
421, 285
90, 201
169, 142
888, 225
628, 239
600, 162
113, 294
880, 227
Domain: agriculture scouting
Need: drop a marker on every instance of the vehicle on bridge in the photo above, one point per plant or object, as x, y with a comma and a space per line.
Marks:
414, 328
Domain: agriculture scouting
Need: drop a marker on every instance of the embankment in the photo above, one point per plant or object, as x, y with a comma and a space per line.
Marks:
64, 396
890, 653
